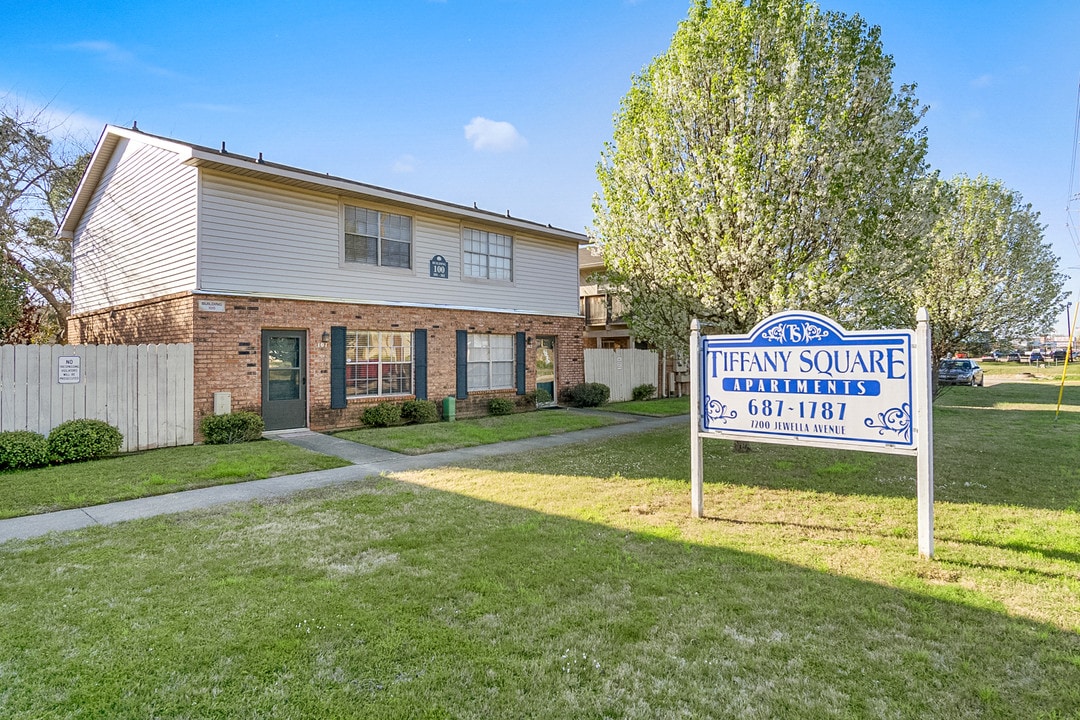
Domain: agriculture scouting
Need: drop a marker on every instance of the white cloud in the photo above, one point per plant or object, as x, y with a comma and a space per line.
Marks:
56, 122
404, 164
115, 55
493, 135
73, 123
106, 50
982, 81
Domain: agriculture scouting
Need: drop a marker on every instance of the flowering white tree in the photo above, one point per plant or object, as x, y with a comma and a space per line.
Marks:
764, 162
991, 276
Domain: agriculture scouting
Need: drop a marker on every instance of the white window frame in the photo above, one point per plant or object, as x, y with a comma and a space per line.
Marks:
377, 362
480, 241
384, 219
484, 367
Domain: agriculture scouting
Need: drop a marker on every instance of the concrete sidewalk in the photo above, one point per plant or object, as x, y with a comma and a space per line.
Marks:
367, 461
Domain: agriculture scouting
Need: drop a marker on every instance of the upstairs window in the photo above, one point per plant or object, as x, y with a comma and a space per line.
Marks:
488, 255
377, 238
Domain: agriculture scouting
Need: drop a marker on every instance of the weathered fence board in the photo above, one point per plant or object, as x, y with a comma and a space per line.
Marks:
146, 391
621, 370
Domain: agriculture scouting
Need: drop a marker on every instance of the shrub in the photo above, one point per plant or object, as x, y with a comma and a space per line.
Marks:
384, 414
586, 395
542, 396
21, 449
231, 428
78, 440
643, 392
500, 406
420, 411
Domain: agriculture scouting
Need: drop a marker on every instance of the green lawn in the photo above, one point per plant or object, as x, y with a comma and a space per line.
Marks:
574, 584
659, 407
153, 472
437, 437
1023, 371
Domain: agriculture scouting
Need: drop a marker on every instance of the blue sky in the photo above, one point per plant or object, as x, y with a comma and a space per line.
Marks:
507, 103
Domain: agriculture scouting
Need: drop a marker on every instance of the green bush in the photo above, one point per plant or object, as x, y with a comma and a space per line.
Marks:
419, 411
500, 406
384, 414
232, 428
21, 449
586, 395
78, 440
542, 396
643, 392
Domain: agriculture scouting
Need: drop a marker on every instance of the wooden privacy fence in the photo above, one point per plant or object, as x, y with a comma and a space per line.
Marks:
147, 391
621, 370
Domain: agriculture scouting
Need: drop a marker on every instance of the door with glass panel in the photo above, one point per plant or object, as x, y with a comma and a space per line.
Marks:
284, 379
545, 371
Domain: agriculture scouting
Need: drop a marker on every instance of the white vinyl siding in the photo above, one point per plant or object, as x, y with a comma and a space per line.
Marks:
491, 362
267, 239
137, 237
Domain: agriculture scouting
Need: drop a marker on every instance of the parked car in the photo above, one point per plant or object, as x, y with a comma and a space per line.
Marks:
1014, 356
993, 356
960, 372
1035, 356
1058, 355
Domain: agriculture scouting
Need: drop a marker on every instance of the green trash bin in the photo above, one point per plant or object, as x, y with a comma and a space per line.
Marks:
449, 409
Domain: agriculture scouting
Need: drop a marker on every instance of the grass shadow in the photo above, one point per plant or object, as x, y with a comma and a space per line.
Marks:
1024, 548
391, 599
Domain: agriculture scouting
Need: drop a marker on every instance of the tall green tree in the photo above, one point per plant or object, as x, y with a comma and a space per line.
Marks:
12, 296
991, 276
764, 162
38, 177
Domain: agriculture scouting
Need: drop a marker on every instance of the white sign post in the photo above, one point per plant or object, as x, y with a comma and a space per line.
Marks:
799, 378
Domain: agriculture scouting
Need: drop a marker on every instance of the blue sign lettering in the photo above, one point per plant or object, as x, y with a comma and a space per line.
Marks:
800, 375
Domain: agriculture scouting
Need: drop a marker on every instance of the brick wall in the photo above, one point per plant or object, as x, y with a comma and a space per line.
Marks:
227, 345
162, 320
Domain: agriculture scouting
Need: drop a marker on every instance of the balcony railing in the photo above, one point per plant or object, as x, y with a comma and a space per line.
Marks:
602, 310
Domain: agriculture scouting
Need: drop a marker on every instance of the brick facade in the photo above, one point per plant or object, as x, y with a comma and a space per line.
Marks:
161, 320
227, 345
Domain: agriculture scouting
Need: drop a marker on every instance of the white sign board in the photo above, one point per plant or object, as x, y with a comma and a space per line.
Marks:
212, 305
69, 369
799, 377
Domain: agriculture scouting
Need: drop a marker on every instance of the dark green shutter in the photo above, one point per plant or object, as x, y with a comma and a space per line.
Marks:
519, 362
420, 363
337, 368
462, 364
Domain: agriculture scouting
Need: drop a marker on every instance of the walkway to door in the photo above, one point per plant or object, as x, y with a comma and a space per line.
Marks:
368, 462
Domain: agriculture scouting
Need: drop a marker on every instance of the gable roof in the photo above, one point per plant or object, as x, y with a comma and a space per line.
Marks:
257, 168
